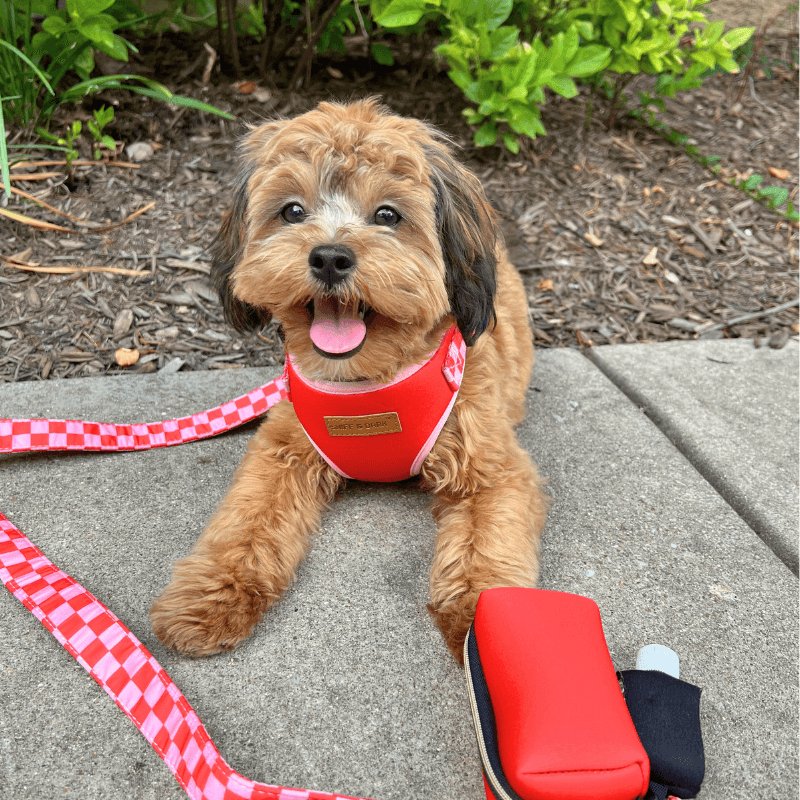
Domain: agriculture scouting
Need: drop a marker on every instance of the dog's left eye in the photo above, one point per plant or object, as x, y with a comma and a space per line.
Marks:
386, 216
293, 213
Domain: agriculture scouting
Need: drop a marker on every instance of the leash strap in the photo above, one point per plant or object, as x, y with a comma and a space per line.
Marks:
96, 638
28, 435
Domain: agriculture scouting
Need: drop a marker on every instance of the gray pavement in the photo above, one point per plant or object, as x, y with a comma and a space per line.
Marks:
733, 410
346, 685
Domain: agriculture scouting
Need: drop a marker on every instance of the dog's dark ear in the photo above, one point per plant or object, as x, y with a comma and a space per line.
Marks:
226, 250
468, 237
228, 246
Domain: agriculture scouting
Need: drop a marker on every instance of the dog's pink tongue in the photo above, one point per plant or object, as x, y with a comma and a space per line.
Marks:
336, 328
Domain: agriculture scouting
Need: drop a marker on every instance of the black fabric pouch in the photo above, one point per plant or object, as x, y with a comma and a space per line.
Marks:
666, 713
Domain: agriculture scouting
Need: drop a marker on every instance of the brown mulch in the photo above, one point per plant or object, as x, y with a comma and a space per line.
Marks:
620, 237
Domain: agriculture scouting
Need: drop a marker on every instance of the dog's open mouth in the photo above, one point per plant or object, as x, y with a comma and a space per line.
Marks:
338, 330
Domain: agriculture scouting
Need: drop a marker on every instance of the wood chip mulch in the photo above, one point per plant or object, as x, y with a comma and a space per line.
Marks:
620, 236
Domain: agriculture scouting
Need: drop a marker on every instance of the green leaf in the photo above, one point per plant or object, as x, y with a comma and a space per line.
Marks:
728, 64
511, 142
526, 68
99, 28
382, 54
460, 78
713, 31
108, 141
736, 37
114, 46
526, 120
486, 135
401, 13
42, 7
553, 57
472, 116
84, 63
497, 12
197, 105
502, 40
81, 9
777, 195
571, 42
588, 60
562, 85
138, 85
494, 103
4, 173
54, 25
635, 27
753, 181
104, 115
703, 57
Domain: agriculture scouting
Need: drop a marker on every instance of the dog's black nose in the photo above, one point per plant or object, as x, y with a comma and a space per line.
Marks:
331, 263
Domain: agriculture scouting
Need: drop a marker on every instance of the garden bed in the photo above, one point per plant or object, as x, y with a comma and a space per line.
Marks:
619, 235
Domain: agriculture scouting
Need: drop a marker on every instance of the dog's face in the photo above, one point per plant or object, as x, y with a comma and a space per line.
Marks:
361, 235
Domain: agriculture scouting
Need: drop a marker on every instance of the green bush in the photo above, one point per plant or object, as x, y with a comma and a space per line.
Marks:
43, 49
506, 55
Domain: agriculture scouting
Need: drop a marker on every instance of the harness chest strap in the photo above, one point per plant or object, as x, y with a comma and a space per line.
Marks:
381, 432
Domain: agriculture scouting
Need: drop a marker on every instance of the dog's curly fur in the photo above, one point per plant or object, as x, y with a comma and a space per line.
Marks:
442, 263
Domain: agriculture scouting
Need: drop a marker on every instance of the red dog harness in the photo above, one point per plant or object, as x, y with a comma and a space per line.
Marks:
375, 431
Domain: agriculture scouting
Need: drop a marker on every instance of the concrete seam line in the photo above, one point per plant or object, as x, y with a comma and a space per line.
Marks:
704, 467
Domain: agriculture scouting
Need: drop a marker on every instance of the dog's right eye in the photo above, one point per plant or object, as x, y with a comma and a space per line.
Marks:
294, 212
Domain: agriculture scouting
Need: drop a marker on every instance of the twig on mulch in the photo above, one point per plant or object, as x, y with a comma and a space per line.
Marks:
51, 226
767, 312
78, 163
70, 270
35, 176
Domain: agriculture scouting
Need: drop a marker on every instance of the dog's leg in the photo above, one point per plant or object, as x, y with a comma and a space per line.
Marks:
489, 509
248, 554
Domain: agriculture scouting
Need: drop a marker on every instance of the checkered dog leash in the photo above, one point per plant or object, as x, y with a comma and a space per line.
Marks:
100, 642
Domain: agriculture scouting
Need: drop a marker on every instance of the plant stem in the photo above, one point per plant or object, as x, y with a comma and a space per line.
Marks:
304, 62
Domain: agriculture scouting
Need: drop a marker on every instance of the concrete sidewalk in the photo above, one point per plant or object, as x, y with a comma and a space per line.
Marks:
673, 470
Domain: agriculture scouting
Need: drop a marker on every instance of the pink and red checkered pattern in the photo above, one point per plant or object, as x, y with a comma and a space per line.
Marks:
25, 435
129, 674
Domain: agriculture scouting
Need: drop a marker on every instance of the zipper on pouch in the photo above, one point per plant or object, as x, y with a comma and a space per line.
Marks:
491, 778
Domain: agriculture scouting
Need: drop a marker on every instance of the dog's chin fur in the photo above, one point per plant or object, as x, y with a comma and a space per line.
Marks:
442, 264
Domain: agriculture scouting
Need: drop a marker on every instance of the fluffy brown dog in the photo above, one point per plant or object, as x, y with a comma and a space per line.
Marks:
351, 211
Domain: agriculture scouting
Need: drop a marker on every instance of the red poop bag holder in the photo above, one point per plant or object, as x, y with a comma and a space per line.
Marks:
549, 713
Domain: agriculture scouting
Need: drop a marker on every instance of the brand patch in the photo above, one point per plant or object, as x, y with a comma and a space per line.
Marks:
365, 425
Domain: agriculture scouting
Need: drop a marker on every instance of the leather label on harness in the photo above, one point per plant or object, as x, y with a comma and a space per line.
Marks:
365, 425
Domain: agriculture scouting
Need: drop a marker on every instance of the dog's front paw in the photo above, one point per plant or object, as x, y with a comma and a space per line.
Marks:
205, 609
453, 620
